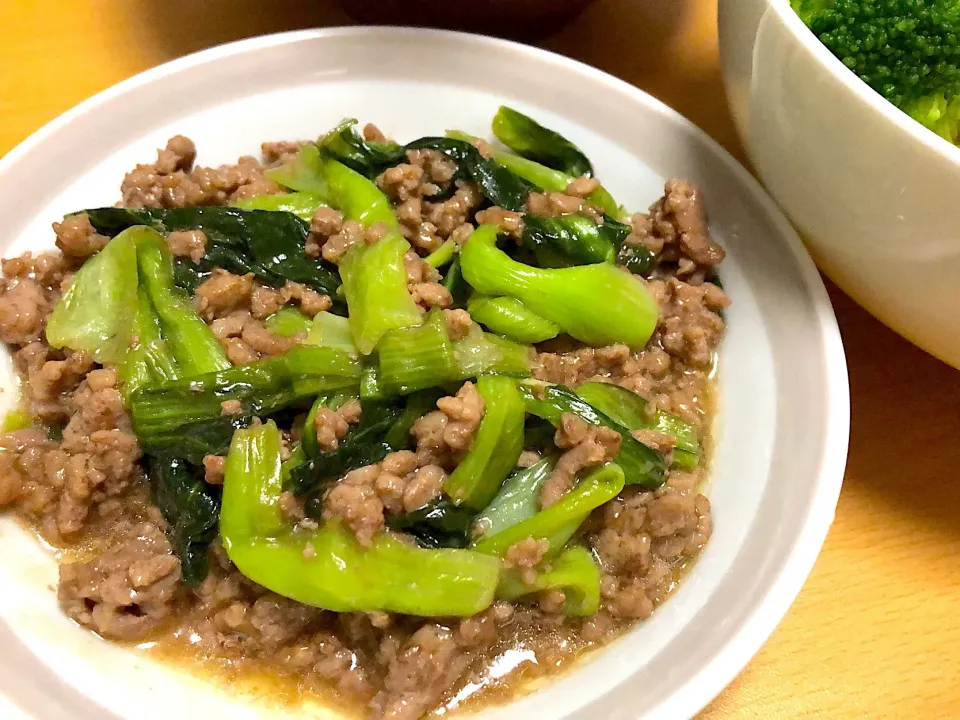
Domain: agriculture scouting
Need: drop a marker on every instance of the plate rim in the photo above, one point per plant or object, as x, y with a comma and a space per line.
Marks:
699, 689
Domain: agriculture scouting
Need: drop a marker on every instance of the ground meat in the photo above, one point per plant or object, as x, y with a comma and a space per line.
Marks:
172, 181
418, 271
77, 238
126, 592
326, 222
336, 245
257, 337
428, 663
586, 446
458, 323
59, 482
223, 293
401, 182
690, 323
552, 204
582, 186
372, 132
280, 153
431, 294
675, 230
444, 434
509, 222
24, 308
266, 300
330, 428
525, 555
355, 501
644, 538
188, 243
213, 468
450, 214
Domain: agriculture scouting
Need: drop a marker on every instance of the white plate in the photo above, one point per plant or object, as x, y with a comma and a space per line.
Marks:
784, 407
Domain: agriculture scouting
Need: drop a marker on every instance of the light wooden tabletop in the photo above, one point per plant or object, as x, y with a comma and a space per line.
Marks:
875, 631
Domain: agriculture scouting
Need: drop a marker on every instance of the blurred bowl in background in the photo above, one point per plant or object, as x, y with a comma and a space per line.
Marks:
874, 193
518, 19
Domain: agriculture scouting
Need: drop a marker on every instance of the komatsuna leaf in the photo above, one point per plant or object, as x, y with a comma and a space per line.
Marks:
270, 244
367, 157
191, 508
526, 137
498, 185
95, 315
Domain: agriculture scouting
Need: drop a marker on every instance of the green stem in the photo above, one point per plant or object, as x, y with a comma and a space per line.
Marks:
495, 448
509, 317
560, 521
597, 304
574, 571
326, 567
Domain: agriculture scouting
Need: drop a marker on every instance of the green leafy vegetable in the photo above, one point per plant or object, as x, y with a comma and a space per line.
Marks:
518, 499
149, 359
191, 508
288, 322
332, 331
560, 521
495, 448
510, 318
269, 244
367, 157
526, 137
261, 388
543, 177
573, 239
443, 255
326, 567
438, 524
630, 410
566, 296
194, 441
497, 183
94, 314
303, 205
641, 465
383, 429
191, 341
574, 571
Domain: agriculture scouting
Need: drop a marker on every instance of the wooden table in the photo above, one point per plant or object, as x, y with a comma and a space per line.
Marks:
875, 632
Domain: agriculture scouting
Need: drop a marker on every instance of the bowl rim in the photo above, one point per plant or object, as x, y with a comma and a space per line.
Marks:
858, 87
721, 669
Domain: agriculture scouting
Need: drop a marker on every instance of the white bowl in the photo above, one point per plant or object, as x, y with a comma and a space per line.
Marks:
783, 389
873, 192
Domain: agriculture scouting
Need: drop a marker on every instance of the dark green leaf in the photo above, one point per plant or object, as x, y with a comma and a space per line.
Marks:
193, 441
526, 137
437, 524
453, 281
191, 508
567, 240
267, 243
498, 185
367, 157
641, 465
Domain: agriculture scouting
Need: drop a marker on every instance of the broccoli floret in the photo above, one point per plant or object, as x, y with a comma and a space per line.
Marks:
906, 50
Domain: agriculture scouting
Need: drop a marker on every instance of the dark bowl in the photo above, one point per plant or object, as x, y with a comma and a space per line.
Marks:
519, 19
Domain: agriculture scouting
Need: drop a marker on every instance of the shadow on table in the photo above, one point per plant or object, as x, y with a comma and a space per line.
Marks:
639, 41
905, 431
179, 27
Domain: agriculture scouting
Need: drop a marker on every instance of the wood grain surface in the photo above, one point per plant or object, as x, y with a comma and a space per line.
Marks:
875, 632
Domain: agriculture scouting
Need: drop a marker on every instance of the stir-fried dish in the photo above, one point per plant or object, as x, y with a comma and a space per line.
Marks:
399, 425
